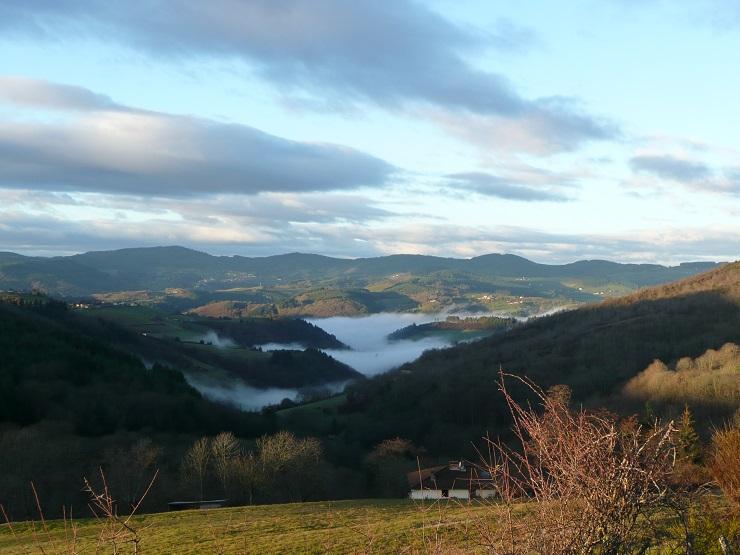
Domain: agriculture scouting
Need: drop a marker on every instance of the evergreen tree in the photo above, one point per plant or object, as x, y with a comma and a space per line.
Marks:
648, 417
688, 445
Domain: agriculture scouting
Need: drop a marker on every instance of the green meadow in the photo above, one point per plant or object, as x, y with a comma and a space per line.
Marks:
364, 526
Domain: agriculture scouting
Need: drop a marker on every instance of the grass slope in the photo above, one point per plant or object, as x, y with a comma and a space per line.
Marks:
386, 526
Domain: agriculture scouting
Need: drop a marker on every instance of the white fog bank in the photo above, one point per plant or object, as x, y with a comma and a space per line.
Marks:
245, 397
371, 353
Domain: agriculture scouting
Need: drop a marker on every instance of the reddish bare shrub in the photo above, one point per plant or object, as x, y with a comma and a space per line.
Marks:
595, 483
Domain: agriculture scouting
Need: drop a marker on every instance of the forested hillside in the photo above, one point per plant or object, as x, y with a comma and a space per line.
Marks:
75, 400
53, 370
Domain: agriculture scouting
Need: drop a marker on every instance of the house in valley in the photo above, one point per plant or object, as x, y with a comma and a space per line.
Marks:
456, 480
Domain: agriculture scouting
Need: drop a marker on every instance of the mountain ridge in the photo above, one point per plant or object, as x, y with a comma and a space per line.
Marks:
158, 268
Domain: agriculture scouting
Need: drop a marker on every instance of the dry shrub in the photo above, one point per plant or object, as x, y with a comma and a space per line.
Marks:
724, 462
595, 484
116, 531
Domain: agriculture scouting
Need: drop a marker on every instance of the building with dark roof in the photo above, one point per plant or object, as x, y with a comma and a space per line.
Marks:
458, 479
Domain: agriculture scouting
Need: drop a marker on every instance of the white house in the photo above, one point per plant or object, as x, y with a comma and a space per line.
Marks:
456, 480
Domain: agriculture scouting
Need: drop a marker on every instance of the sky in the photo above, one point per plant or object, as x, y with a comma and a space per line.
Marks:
557, 131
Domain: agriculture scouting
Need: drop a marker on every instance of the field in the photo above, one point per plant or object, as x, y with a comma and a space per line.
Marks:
377, 526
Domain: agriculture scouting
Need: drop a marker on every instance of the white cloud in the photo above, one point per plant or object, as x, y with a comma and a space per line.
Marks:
122, 150
327, 52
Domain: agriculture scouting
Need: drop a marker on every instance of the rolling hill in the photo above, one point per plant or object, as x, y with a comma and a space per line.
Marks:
312, 285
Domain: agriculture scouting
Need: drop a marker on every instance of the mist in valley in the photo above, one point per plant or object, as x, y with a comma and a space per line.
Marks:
212, 338
245, 397
371, 352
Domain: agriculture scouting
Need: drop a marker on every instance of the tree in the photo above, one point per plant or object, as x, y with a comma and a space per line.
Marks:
130, 470
246, 477
289, 467
195, 462
688, 445
224, 450
388, 464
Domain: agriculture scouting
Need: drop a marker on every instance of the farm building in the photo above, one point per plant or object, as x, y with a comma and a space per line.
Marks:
455, 480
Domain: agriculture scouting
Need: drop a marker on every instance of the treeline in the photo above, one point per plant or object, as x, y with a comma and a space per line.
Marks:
279, 368
276, 468
454, 323
257, 331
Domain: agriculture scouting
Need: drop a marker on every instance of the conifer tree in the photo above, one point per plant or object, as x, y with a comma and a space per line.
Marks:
688, 445
648, 417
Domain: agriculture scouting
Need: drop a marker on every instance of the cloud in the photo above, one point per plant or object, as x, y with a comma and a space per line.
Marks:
496, 186
692, 173
109, 148
665, 245
41, 94
388, 53
670, 167
47, 235
267, 209
546, 127
40, 221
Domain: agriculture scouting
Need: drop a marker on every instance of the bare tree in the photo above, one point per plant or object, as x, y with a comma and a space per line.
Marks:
246, 476
593, 481
288, 465
195, 462
128, 469
224, 450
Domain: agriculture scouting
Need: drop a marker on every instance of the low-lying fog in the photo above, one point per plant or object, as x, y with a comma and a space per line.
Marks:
371, 353
213, 338
246, 397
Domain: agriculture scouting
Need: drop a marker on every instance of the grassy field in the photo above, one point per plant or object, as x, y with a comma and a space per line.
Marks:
367, 526
144, 319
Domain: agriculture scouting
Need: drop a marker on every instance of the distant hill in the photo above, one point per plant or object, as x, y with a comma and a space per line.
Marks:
449, 396
337, 286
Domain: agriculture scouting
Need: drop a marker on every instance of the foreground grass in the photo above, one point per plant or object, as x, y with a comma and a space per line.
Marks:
378, 526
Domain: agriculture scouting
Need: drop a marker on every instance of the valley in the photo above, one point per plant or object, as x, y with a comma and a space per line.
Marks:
114, 380
409, 277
